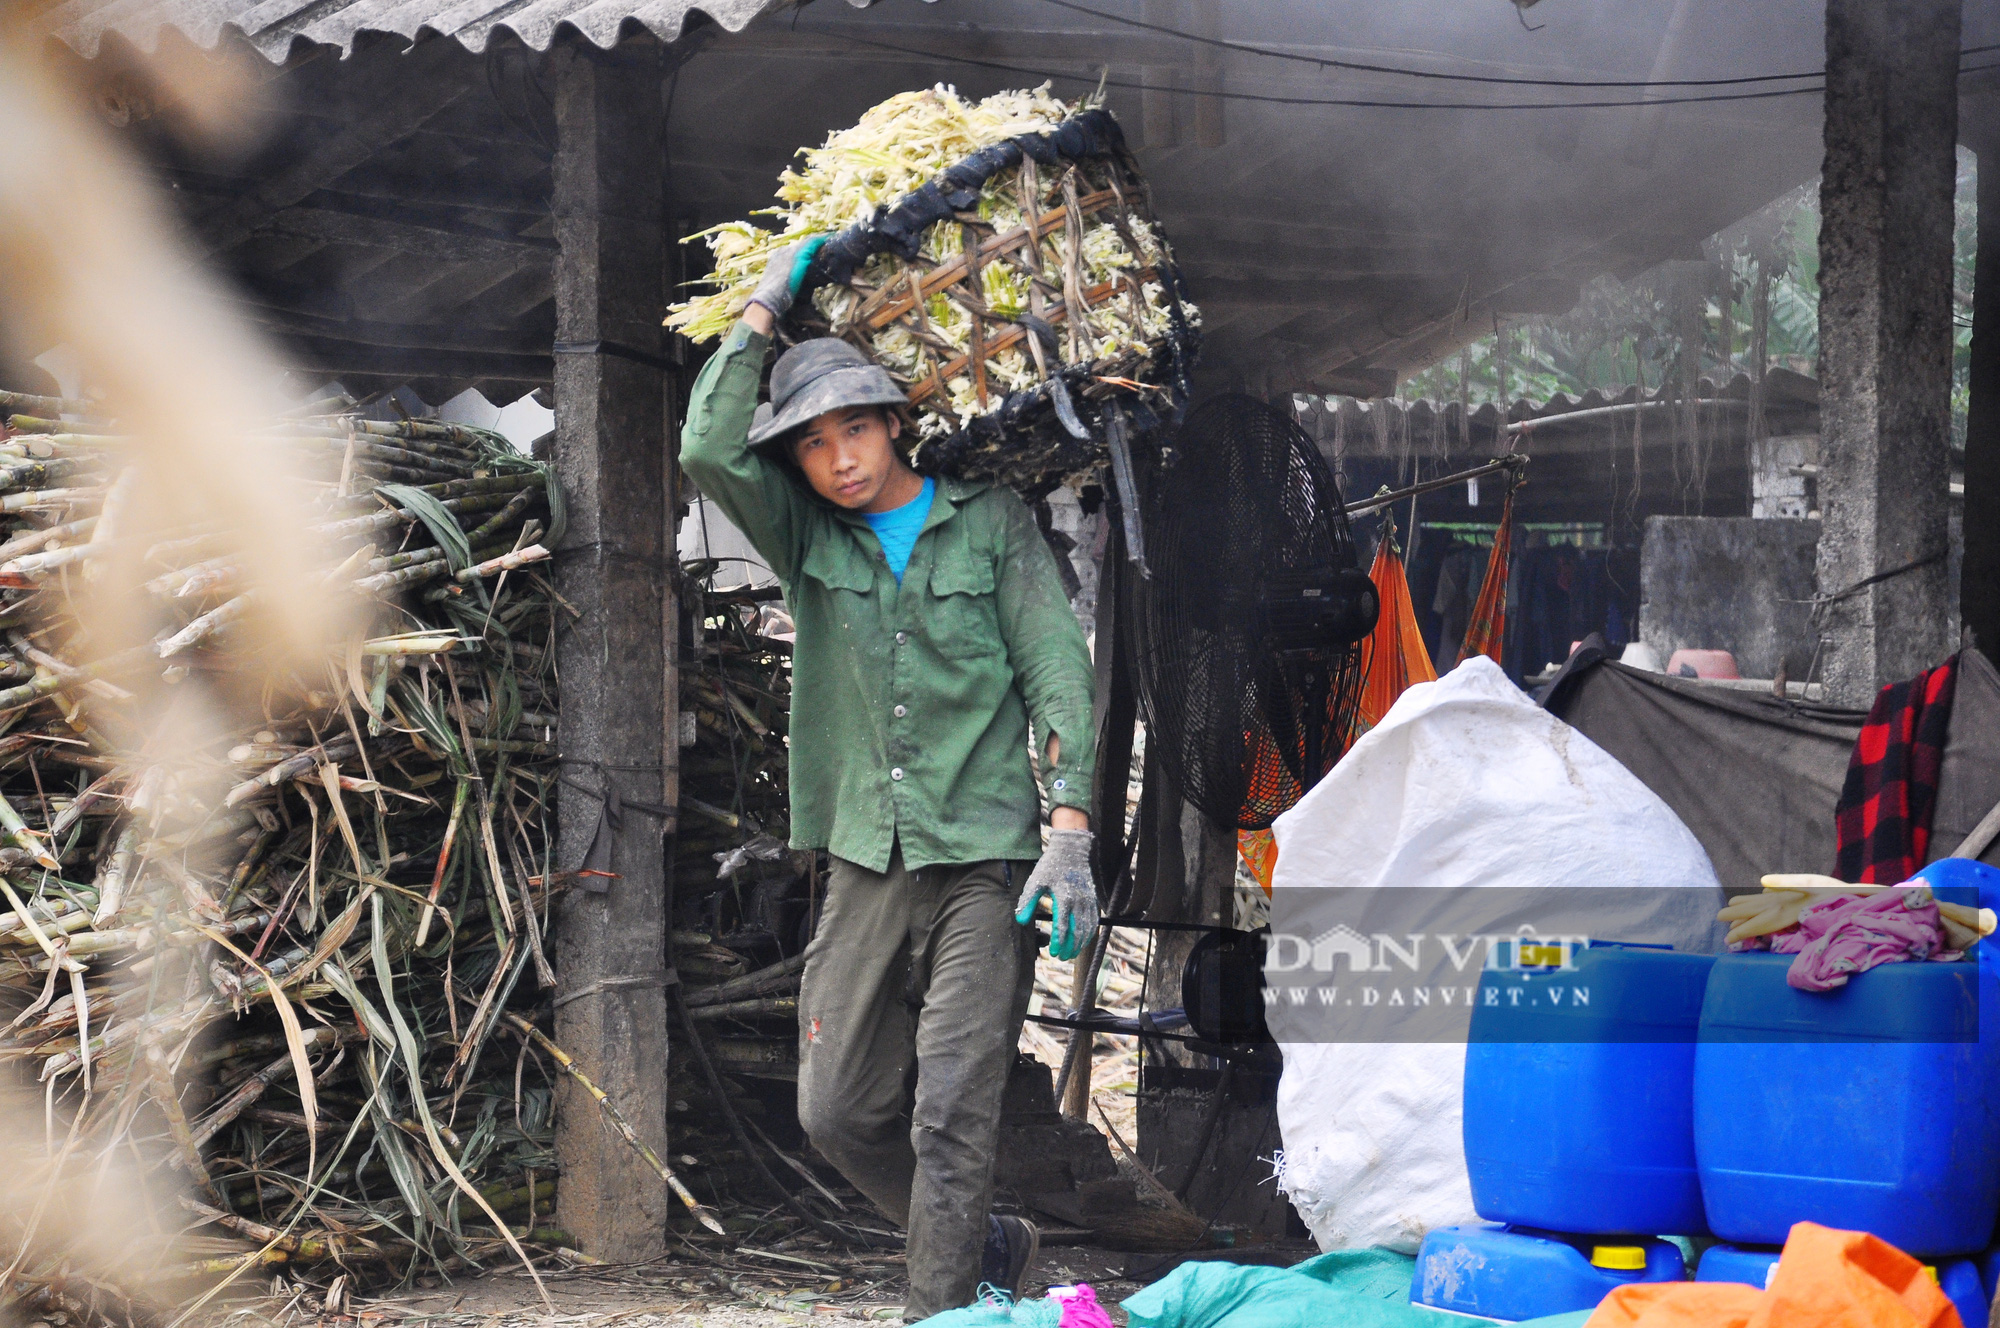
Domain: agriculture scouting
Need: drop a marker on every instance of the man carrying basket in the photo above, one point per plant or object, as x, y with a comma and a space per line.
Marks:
932, 632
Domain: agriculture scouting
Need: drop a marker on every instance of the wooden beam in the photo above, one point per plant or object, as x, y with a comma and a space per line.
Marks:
334, 355
456, 244
412, 89
405, 336
611, 446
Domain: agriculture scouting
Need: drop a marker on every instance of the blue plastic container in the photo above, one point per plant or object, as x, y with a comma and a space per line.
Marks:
1872, 1107
1579, 1094
1735, 1263
1959, 1279
1497, 1272
1961, 1284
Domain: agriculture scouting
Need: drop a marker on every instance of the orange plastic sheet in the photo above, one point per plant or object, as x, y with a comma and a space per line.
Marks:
1488, 626
1824, 1279
1397, 655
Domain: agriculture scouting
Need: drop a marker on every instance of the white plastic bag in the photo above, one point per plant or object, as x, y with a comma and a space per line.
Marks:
1465, 782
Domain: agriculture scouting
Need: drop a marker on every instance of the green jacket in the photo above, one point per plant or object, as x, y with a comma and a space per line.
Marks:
910, 704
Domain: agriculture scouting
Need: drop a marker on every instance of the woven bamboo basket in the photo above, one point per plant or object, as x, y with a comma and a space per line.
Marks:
1021, 283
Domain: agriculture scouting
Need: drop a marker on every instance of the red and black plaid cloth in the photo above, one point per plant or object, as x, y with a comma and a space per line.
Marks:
1882, 824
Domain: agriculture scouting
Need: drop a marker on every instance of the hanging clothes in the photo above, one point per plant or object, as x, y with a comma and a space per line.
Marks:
1883, 820
1457, 590
1488, 627
1397, 655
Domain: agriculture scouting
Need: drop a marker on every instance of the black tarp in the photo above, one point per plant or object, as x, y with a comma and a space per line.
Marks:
1755, 777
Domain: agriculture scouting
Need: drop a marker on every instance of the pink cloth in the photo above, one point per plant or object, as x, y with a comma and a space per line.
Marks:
1844, 936
1080, 1307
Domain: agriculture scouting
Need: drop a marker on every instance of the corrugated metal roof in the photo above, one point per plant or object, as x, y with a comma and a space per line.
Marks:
272, 26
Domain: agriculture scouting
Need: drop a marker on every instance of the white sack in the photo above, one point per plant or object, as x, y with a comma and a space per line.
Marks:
1465, 782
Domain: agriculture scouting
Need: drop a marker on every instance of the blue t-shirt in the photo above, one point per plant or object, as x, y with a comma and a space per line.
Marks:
898, 527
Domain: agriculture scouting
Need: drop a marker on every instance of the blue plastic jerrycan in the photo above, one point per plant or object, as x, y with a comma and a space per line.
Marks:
1508, 1274
1749, 1264
1959, 1279
1579, 1093
1873, 1107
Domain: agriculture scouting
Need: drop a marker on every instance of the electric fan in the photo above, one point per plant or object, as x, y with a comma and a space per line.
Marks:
1248, 633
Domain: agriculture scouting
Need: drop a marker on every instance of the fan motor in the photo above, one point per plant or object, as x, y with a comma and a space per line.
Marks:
1319, 608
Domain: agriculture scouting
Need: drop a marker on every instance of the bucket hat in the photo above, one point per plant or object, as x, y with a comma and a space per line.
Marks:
815, 377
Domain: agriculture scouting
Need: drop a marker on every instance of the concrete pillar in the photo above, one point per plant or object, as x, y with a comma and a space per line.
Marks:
611, 449
1885, 338
1979, 580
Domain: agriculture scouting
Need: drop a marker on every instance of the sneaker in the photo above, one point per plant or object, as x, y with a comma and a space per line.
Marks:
1011, 1246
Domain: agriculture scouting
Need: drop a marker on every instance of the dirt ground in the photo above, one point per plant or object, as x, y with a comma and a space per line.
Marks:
699, 1291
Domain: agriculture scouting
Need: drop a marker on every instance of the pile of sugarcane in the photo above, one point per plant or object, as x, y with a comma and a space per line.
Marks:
283, 966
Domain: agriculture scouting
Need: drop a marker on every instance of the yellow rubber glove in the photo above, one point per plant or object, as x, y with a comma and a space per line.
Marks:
1788, 894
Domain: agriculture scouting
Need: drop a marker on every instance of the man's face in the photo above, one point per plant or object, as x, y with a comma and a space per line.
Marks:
849, 455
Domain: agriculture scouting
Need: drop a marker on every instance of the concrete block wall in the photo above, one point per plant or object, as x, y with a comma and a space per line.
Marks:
1730, 583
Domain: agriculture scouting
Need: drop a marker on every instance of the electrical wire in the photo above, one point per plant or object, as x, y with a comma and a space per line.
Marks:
1352, 102
1328, 62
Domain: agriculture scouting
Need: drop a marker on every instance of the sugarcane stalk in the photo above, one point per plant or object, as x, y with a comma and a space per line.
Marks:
116, 876
18, 832
12, 698
36, 474
40, 539
701, 1213
34, 566
33, 498
506, 562
770, 1005
309, 1246
17, 402
200, 629
333, 752
503, 518
396, 516
763, 982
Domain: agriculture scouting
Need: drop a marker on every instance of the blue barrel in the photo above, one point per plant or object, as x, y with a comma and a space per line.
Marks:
1737, 1263
1960, 1282
1872, 1107
1959, 1279
1579, 1094
1498, 1272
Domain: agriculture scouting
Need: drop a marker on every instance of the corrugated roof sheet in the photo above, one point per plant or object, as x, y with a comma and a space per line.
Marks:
273, 25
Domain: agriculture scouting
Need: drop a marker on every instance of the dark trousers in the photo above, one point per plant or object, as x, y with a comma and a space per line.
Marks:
909, 1014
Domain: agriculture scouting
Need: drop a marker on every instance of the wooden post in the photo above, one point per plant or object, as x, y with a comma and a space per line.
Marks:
1885, 322
611, 451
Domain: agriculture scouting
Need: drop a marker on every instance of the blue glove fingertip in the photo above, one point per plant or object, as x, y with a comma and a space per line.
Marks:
1027, 913
802, 260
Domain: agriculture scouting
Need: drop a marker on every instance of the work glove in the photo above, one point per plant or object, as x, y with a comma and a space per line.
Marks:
784, 274
1063, 874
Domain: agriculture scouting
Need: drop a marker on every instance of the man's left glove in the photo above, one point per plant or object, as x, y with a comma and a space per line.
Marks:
784, 274
1063, 874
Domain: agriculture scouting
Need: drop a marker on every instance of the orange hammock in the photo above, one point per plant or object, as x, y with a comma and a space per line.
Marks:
1397, 656
1488, 625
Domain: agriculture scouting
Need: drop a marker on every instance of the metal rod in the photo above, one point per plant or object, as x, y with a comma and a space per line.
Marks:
1625, 408
1512, 461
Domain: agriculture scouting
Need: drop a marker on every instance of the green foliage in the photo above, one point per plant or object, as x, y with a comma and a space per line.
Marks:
1623, 333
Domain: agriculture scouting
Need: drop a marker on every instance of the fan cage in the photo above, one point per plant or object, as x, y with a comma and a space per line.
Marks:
1248, 701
